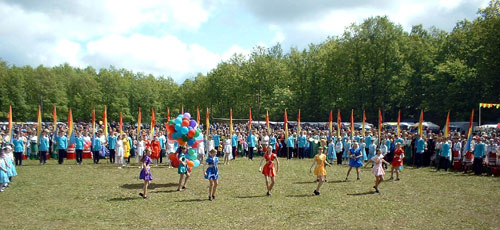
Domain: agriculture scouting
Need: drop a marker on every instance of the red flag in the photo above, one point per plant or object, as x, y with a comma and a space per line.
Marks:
399, 121
105, 122
152, 133
363, 125
139, 121
286, 125
93, 122
330, 121
298, 123
447, 125
379, 125
250, 120
352, 123
10, 123
121, 124
198, 115
267, 122
207, 120
231, 121
420, 126
339, 123
168, 114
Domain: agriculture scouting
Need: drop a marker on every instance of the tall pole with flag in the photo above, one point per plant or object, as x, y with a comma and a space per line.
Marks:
286, 126
93, 126
207, 122
168, 114
152, 133
105, 122
250, 121
420, 125
352, 124
197, 115
10, 124
182, 109
379, 126
447, 126
267, 123
298, 123
363, 132
54, 117
231, 122
139, 121
330, 122
339, 123
39, 127
469, 133
121, 124
71, 134
398, 131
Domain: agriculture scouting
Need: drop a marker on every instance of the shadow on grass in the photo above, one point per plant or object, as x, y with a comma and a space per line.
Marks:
192, 200
124, 198
165, 191
362, 193
247, 197
335, 182
306, 182
151, 186
300, 196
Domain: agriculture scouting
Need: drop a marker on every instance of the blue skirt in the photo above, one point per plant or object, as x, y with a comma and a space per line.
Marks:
12, 170
356, 163
144, 176
212, 173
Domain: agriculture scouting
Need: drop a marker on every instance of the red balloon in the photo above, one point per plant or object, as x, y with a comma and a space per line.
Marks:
190, 169
181, 142
190, 163
175, 164
191, 133
172, 157
185, 123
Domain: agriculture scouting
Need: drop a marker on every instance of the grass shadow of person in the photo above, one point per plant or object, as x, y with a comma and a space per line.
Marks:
362, 193
124, 198
247, 197
305, 182
151, 186
192, 200
300, 195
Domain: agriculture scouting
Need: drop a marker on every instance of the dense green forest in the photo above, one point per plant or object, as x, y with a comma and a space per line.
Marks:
373, 64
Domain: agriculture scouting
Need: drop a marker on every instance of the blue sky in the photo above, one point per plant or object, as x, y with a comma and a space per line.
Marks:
181, 38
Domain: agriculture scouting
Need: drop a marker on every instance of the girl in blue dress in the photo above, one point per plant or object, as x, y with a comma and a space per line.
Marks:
146, 173
212, 173
355, 159
183, 168
11, 167
4, 178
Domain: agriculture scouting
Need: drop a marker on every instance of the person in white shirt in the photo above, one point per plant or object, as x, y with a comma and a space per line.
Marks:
228, 149
201, 151
140, 150
119, 151
338, 150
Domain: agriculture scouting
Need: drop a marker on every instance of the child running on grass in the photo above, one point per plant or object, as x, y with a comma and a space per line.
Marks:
212, 173
269, 170
183, 168
378, 170
319, 170
146, 173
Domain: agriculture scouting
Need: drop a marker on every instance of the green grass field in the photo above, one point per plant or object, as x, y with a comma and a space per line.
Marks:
101, 196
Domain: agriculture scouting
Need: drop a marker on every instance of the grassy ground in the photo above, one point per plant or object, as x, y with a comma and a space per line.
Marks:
101, 196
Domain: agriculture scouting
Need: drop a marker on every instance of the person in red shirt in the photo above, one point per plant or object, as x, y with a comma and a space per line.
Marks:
397, 161
155, 150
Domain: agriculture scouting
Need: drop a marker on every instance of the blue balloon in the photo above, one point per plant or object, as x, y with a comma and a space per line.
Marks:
176, 135
184, 130
178, 127
196, 163
192, 156
178, 121
191, 142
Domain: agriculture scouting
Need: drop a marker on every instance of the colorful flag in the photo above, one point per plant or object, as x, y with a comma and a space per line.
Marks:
54, 117
379, 125
420, 125
207, 116
330, 122
93, 123
152, 133
469, 134
339, 123
298, 123
399, 121
447, 125
168, 114
250, 120
231, 121
286, 125
121, 124
139, 122
197, 115
71, 134
182, 109
267, 122
10, 124
352, 123
105, 122
39, 127
363, 132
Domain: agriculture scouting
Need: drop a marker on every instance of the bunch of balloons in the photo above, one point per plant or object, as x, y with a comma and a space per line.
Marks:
184, 130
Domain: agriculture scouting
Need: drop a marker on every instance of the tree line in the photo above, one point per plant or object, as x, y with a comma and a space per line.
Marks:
372, 65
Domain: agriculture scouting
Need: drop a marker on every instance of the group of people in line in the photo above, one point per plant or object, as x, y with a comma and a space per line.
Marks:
357, 148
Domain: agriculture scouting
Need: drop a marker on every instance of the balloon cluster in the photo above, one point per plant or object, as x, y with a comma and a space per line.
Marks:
184, 130
191, 157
